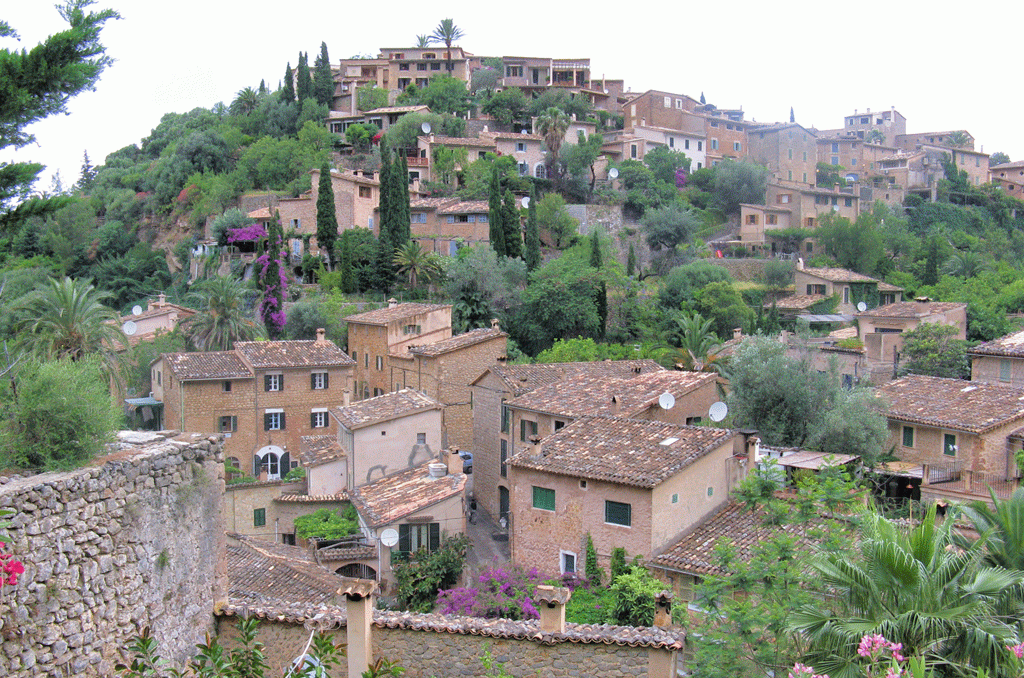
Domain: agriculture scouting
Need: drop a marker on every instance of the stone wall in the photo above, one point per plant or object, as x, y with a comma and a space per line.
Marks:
135, 540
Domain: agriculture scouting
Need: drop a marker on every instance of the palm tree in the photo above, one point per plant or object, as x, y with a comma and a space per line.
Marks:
245, 101
224, 317
694, 346
1002, 529
422, 41
417, 263
552, 124
447, 32
913, 587
965, 264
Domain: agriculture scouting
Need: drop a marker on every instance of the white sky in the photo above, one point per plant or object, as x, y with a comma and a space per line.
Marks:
942, 65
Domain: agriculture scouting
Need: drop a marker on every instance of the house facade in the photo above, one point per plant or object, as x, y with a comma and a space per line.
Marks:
788, 150
1000, 361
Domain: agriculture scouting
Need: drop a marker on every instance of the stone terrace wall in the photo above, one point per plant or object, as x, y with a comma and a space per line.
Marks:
131, 542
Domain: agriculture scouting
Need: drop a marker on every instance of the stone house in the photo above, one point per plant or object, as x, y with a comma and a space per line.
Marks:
626, 483
726, 137
443, 225
1000, 361
850, 288
1010, 177
493, 436
475, 147
636, 142
262, 395
890, 123
382, 118
267, 510
159, 317
356, 196
788, 150
527, 149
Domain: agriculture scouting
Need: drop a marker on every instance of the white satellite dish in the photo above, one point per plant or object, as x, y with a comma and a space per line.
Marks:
129, 328
389, 537
425, 127
523, 131
526, 201
861, 306
718, 411
667, 401
136, 310
613, 173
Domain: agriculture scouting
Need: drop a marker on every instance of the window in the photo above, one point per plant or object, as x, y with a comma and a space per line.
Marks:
1004, 369
227, 423
668, 102
365, 192
835, 149
679, 103
297, 224
618, 513
403, 67
694, 421
790, 175
714, 144
504, 458
714, 124
412, 329
378, 392
318, 419
908, 436
686, 144
736, 145
380, 364
524, 169
506, 417
527, 428
273, 421
853, 162
513, 71
273, 382
543, 498
949, 447
835, 159
671, 142
846, 295
848, 202
226, 387
790, 154
568, 563
421, 67
318, 381
632, 151
805, 177
421, 438
259, 517
700, 147
520, 147
436, 66
366, 360
752, 219
772, 219
815, 289
412, 538
559, 425
805, 158
783, 198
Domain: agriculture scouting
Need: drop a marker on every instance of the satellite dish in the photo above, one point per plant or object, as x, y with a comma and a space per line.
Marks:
425, 127
718, 411
667, 401
136, 310
613, 173
523, 131
526, 201
129, 328
861, 306
389, 537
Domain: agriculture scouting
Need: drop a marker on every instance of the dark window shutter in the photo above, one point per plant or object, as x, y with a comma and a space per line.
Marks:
285, 464
403, 538
266, 422
256, 465
327, 380
266, 382
282, 421
312, 419
435, 536
280, 385
312, 379
234, 423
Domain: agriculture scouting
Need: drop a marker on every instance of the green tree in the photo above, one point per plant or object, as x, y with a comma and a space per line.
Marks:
482, 284
495, 215
327, 524
273, 281
554, 218
360, 136
323, 78
695, 343
669, 226
447, 33
532, 244
998, 158
739, 182
965, 264
418, 264
858, 246
724, 306
425, 573
246, 101
631, 264
326, 215
580, 159
934, 350
552, 125
512, 225
288, 87
683, 282
371, 97
1002, 527
224, 315
509, 106
593, 570
38, 83
664, 163
303, 79
601, 295
443, 94
422, 41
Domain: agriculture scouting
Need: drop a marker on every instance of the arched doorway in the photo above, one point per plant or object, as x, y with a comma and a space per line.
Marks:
357, 570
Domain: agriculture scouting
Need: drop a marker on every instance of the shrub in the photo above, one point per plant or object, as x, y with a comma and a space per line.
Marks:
634, 597
502, 591
425, 574
326, 524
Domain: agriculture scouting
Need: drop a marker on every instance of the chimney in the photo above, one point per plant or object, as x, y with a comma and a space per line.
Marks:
453, 460
495, 324
922, 300
437, 470
392, 302
616, 404
535, 446
346, 397
799, 263
358, 598
737, 333
753, 450
161, 300
869, 110
551, 602
663, 609
321, 337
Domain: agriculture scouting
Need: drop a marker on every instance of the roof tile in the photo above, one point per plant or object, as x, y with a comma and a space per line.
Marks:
393, 497
524, 378
207, 365
970, 406
384, 408
383, 316
266, 354
459, 341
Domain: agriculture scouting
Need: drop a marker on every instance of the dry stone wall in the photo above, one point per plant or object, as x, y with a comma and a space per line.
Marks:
131, 542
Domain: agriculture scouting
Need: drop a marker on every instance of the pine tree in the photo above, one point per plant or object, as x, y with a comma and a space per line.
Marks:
304, 81
631, 262
263, 88
288, 88
601, 296
512, 226
323, 79
326, 215
792, 118
532, 232
88, 174
496, 230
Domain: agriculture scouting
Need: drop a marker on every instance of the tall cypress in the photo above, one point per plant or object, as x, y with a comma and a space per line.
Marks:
288, 88
494, 215
326, 215
601, 296
532, 232
386, 210
323, 79
383, 263
631, 262
304, 81
512, 226
404, 211
348, 273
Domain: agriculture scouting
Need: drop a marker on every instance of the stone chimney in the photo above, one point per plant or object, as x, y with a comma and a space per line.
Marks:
495, 324
551, 602
753, 450
437, 470
535, 446
392, 302
616, 404
321, 336
453, 460
663, 609
737, 333
799, 263
161, 300
357, 595
346, 397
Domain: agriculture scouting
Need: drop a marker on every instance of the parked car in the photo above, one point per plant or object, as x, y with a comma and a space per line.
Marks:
467, 461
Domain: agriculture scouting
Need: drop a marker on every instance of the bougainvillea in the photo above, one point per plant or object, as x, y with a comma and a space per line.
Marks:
9, 568
502, 591
247, 234
272, 280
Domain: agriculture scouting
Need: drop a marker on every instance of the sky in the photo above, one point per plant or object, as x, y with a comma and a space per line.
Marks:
942, 65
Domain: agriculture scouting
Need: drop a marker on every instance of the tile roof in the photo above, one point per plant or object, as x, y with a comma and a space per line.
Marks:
166, 309
263, 354
458, 341
317, 450
312, 498
624, 451
514, 136
695, 553
465, 207
1010, 346
524, 378
261, 571
394, 497
383, 408
911, 309
207, 365
1017, 164
886, 287
428, 203
836, 274
333, 617
593, 395
398, 109
969, 406
796, 302
459, 141
383, 316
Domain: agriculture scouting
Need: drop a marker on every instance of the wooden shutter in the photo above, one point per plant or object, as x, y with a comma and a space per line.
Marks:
256, 465
403, 538
286, 464
266, 382
327, 380
282, 421
312, 380
435, 536
266, 422
312, 419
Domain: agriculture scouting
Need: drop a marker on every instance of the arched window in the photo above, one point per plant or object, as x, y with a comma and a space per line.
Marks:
540, 171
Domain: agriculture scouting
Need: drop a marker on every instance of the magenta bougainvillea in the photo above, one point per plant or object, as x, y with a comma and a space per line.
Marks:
247, 233
273, 282
9, 567
502, 591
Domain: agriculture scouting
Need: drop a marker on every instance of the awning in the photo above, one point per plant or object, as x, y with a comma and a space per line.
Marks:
148, 401
815, 460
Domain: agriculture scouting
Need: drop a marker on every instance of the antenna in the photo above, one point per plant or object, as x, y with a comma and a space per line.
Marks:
718, 411
129, 328
136, 310
667, 401
613, 173
425, 127
861, 306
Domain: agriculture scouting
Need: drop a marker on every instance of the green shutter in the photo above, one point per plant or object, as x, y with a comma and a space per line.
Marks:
908, 436
403, 538
618, 513
259, 517
327, 380
543, 498
435, 536
266, 422
282, 421
266, 382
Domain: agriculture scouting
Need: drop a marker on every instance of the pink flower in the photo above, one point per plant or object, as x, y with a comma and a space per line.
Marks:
1017, 649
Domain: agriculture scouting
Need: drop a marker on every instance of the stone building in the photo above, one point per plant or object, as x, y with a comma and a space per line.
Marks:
788, 150
1000, 361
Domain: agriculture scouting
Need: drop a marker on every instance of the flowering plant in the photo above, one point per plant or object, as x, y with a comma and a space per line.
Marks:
247, 233
502, 591
9, 567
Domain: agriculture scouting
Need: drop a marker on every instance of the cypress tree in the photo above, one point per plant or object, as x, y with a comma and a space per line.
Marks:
288, 88
931, 264
631, 262
383, 263
263, 87
348, 273
323, 79
494, 215
326, 215
601, 296
304, 81
405, 214
272, 281
512, 227
532, 232
386, 210
396, 190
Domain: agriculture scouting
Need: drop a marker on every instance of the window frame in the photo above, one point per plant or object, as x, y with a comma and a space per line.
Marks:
273, 420
259, 517
318, 418
319, 381
908, 434
232, 423
619, 506
273, 383
543, 497
947, 449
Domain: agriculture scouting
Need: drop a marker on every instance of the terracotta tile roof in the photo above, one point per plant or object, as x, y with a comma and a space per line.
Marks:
264, 354
1010, 346
207, 365
428, 203
397, 109
311, 498
347, 553
383, 408
383, 316
394, 497
1017, 164
911, 309
513, 136
166, 309
593, 395
465, 207
624, 451
459, 341
843, 333
524, 378
742, 530
317, 450
836, 274
460, 141
797, 302
886, 287
261, 213
261, 571
969, 406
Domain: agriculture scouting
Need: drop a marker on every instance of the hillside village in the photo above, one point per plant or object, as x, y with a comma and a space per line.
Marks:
487, 365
